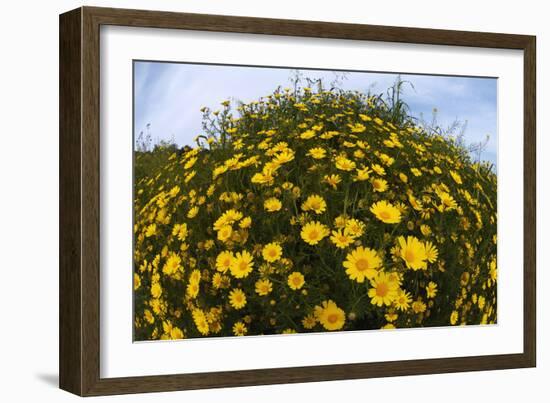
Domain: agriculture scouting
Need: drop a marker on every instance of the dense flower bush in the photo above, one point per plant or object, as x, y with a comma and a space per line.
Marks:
312, 211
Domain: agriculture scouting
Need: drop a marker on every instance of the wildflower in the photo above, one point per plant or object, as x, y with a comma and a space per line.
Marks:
402, 300
332, 180
378, 169
362, 263
317, 153
431, 252
456, 177
309, 322
315, 203
330, 316
272, 252
362, 174
263, 287
223, 261
418, 306
355, 227
239, 329
237, 298
341, 238
431, 289
413, 253
344, 164
295, 280
384, 290
200, 321
242, 264
379, 185
172, 265
313, 232
386, 212
272, 204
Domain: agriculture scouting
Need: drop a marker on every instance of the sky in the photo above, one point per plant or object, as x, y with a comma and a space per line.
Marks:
168, 97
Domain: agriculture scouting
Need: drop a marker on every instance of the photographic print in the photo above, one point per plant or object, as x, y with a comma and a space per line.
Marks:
272, 201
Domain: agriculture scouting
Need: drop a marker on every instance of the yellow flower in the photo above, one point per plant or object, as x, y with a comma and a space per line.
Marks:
192, 290
156, 290
200, 321
379, 185
137, 281
403, 177
362, 174
225, 233
355, 227
431, 289
223, 261
344, 164
273, 204
148, 316
172, 265
193, 211
308, 134
418, 306
402, 300
454, 317
384, 289
332, 180
416, 172
317, 153
242, 264
357, 128
431, 252
283, 157
362, 263
456, 177
180, 231
272, 252
391, 316
237, 298
314, 203
295, 280
330, 316
245, 222
386, 212
151, 230
378, 169
341, 238
228, 218
263, 287
425, 229
447, 201
176, 333
413, 253
309, 322
239, 329
313, 232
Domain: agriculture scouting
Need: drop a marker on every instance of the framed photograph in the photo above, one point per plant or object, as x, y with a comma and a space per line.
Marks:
249, 201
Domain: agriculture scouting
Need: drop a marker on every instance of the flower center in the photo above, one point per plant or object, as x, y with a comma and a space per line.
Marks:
332, 318
313, 234
409, 255
382, 290
385, 214
362, 264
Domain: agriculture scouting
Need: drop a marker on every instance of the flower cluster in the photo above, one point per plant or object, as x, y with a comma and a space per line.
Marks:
312, 211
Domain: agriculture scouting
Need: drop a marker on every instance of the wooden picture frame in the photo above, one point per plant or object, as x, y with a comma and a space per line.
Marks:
79, 347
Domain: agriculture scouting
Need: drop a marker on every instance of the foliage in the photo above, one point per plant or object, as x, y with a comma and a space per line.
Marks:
312, 210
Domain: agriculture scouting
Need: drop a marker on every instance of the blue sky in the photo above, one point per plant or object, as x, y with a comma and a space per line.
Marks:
168, 96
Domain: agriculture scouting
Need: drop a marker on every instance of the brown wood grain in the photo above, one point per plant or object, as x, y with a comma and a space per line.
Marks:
80, 195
